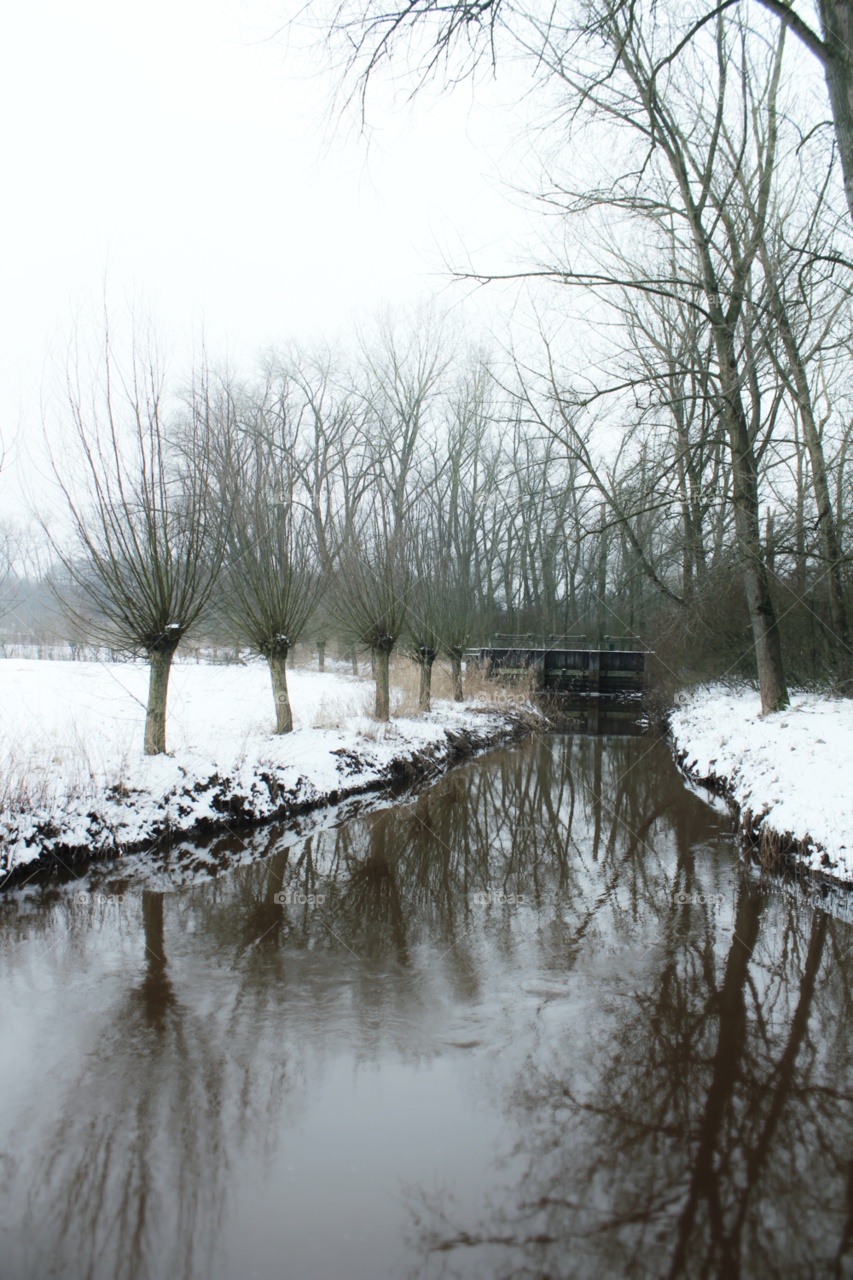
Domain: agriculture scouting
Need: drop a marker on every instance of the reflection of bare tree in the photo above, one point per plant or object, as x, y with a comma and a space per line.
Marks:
707, 1134
156, 991
98, 1204
566, 822
700, 1103
371, 905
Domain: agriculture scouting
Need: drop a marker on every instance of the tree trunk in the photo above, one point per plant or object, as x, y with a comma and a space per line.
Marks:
834, 54
426, 683
800, 515
321, 655
160, 661
768, 650
686, 553
601, 586
762, 615
456, 663
383, 695
278, 675
830, 545
836, 17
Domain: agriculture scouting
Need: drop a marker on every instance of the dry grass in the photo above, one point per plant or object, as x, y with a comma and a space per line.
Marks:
331, 713
405, 679
23, 785
40, 775
405, 683
496, 693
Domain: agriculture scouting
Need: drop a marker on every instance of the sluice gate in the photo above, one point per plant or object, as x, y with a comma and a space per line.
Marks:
617, 671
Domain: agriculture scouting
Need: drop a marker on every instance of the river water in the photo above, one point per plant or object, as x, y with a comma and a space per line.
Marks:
536, 1021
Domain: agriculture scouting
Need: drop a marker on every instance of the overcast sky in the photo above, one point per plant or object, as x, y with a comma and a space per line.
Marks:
170, 149
177, 152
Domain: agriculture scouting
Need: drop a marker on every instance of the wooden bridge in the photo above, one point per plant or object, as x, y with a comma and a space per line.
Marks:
604, 670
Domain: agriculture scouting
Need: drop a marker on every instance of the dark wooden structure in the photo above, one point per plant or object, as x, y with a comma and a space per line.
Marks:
617, 671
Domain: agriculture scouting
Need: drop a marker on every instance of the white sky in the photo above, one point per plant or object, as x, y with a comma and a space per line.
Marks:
170, 150
166, 148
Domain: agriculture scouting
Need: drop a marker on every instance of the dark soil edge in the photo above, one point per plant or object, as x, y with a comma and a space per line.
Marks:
411, 768
780, 853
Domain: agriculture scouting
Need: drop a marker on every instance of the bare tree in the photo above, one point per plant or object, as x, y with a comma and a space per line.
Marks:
423, 634
647, 71
370, 599
272, 579
147, 538
803, 322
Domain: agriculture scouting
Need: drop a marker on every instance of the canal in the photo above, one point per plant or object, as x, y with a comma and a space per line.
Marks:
535, 1021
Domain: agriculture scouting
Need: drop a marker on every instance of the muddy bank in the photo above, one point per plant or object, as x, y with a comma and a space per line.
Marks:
780, 853
785, 774
130, 820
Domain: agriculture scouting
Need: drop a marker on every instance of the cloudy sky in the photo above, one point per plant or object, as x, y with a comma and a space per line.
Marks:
176, 152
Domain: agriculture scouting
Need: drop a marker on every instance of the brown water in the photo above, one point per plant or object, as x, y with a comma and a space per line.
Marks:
542, 1024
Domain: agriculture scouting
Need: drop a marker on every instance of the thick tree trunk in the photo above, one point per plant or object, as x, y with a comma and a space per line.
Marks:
425, 690
836, 18
826, 517
383, 694
277, 660
762, 615
686, 553
835, 53
158, 686
321, 655
456, 663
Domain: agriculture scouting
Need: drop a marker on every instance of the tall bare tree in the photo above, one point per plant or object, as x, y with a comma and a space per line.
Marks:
147, 536
272, 579
370, 598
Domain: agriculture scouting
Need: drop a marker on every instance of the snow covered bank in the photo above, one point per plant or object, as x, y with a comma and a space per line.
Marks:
790, 773
75, 783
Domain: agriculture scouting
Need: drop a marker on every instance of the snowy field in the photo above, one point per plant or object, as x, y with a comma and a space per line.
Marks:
793, 768
74, 776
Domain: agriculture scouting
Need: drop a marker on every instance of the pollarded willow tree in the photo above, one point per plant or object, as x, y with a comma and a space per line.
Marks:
370, 598
147, 532
272, 579
424, 634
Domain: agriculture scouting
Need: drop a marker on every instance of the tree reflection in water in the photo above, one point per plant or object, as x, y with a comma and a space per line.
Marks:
708, 1133
675, 1100
97, 1200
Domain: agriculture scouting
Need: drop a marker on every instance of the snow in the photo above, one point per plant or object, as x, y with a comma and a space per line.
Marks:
792, 769
74, 776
